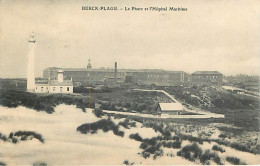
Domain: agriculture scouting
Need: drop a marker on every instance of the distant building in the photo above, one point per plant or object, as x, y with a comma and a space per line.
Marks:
244, 81
60, 85
169, 108
141, 76
207, 78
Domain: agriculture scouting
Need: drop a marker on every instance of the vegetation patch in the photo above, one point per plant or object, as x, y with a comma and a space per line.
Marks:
98, 112
235, 161
193, 152
126, 162
2, 163
104, 124
165, 128
136, 137
190, 152
21, 136
218, 148
208, 155
40, 164
130, 100
127, 124
42, 102
153, 146
172, 144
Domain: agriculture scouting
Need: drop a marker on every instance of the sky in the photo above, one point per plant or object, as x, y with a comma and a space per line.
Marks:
211, 35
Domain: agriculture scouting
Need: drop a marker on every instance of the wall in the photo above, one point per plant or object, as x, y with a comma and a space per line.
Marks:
160, 78
41, 88
57, 89
205, 79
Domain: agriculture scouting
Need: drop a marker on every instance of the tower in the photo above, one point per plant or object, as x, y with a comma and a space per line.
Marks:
60, 76
89, 64
30, 65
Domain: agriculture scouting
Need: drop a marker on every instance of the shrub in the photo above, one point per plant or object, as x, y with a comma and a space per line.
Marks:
207, 155
239, 147
3, 137
118, 132
144, 145
124, 123
176, 138
222, 136
126, 162
21, 135
218, 148
166, 144
145, 155
151, 141
14, 140
190, 152
136, 137
2, 163
158, 153
11, 135
152, 149
104, 124
234, 160
98, 112
176, 144
191, 138
25, 134
39, 164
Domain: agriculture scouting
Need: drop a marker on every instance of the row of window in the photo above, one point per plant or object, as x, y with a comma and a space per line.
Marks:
54, 89
205, 76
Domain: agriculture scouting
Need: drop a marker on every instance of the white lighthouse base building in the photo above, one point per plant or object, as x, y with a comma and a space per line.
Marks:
55, 86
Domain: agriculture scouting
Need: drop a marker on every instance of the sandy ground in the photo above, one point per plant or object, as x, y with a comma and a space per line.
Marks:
64, 145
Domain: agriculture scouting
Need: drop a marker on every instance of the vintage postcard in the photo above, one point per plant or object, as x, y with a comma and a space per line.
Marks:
129, 82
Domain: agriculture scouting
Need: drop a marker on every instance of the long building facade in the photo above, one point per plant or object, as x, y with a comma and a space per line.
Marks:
145, 77
207, 78
142, 76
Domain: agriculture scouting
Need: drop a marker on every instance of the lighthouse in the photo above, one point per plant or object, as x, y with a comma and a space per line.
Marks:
30, 65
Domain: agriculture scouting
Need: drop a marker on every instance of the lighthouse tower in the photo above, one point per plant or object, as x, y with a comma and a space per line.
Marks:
30, 65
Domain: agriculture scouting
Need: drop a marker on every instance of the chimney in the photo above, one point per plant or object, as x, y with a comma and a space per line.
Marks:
115, 72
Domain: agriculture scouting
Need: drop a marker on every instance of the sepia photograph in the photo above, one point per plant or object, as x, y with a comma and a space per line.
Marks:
129, 82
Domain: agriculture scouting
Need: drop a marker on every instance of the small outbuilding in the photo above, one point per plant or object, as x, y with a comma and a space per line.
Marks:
169, 108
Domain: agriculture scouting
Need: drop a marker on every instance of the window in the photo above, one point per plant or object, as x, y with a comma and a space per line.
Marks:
53, 89
36, 88
68, 89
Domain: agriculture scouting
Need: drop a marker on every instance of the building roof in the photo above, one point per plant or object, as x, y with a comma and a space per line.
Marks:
206, 72
113, 70
57, 83
171, 106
